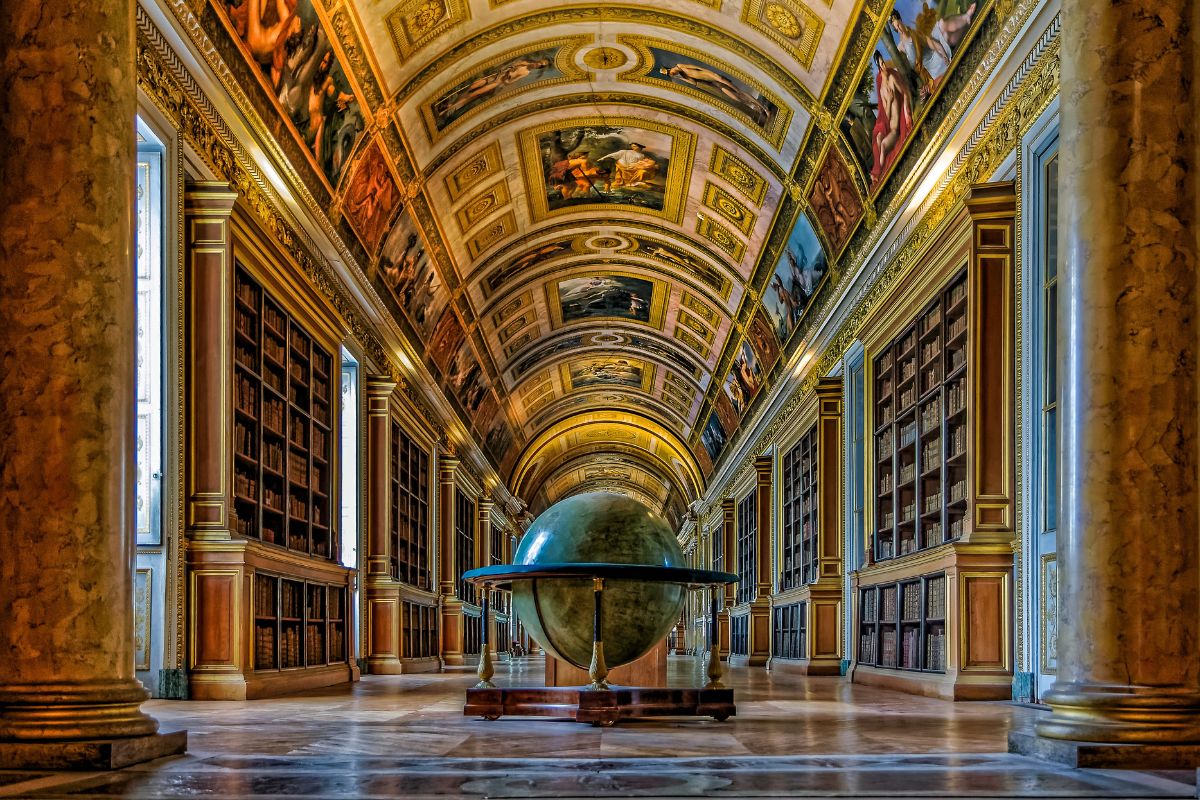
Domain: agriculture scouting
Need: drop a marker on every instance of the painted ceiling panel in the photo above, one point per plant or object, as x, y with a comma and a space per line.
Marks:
606, 225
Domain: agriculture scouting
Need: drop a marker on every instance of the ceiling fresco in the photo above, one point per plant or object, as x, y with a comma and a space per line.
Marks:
606, 226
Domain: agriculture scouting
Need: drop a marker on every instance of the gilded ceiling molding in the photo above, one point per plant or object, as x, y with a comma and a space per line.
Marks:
173, 90
773, 131
611, 12
567, 47
638, 103
1008, 16
789, 23
1027, 95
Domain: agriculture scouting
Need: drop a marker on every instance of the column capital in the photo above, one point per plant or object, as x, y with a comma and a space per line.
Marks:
447, 468
728, 504
380, 385
209, 198
763, 466
829, 386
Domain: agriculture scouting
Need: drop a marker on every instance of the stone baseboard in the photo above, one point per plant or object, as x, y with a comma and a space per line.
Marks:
96, 754
1101, 755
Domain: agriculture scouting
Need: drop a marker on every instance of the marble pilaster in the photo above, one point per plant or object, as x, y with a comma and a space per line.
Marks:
1128, 551
451, 606
728, 534
68, 694
209, 281
382, 589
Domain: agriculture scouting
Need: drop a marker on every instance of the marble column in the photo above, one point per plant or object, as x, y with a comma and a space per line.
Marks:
1128, 681
382, 588
68, 695
452, 622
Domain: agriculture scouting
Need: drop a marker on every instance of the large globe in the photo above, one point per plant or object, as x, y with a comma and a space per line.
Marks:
593, 528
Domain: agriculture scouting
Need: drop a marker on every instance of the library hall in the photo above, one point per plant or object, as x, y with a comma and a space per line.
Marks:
599, 398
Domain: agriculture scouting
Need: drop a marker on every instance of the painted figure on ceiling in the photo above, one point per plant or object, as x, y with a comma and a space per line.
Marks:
633, 168
716, 84
450, 106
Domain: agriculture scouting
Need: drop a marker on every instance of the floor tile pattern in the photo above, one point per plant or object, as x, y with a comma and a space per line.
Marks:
406, 736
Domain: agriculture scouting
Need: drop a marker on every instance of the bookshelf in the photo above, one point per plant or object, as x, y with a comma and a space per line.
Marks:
297, 623
789, 631
464, 547
902, 625
419, 623
921, 429
739, 635
472, 634
410, 557
800, 556
283, 437
747, 550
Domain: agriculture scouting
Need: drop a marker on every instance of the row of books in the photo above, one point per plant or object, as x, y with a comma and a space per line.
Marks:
247, 293
911, 600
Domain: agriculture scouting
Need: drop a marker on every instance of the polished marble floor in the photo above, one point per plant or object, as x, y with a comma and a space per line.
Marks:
405, 736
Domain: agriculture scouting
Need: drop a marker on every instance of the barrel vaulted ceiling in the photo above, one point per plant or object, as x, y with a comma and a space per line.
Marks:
604, 224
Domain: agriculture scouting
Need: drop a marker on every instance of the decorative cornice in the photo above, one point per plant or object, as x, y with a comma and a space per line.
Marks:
1027, 94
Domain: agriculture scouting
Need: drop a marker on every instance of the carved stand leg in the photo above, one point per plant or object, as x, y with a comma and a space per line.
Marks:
598, 671
485, 671
714, 657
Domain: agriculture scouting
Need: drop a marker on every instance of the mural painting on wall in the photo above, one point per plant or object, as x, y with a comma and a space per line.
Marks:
910, 62
834, 201
498, 441
493, 82
606, 370
465, 379
725, 413
371, 197
797, 277
606, 165
612, 296
295, 61
448, 338
713, 438
699, 74
762, 338
745, 378
410, 277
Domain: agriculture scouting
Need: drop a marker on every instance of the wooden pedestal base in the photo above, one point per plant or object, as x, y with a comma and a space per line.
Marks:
600, 707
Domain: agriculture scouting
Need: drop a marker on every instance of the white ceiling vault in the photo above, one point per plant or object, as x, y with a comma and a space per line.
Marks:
607, 224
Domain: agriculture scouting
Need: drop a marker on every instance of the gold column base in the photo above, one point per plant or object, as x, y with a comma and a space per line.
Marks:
1119, 714
598, 670
66, 712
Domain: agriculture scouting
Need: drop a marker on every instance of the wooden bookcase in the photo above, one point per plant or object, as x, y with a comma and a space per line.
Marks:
902, 625
789, 631
747, 548
283, 438
410, 554
935, 610
739, 635
419, 625
921, 430
465, 525
800, 530
297, 623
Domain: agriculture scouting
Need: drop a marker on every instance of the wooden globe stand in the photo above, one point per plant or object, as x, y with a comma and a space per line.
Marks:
599, 703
